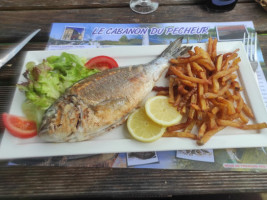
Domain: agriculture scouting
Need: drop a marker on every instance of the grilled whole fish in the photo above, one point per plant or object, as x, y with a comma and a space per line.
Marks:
104, 100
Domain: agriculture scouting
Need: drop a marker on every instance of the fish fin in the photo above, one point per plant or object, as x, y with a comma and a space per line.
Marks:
175, 49
182, 51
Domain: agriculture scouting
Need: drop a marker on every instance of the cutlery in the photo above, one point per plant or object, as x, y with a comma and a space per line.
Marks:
250, 44
17, 48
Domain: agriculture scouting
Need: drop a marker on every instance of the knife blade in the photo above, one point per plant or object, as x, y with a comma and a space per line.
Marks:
17, 48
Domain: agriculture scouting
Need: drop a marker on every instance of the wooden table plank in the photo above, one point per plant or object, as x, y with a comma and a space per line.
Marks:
16, 24
18, 18
105, 182
70, 4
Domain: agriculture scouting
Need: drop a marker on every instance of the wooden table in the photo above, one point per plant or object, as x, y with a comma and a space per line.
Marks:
18, 18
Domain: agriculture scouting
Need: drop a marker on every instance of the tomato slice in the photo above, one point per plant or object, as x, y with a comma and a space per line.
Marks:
19, 126
101, 63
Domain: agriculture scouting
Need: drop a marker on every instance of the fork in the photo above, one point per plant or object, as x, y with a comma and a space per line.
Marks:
250, 44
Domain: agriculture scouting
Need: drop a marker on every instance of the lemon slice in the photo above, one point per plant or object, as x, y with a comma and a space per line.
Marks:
142, 128
161, 111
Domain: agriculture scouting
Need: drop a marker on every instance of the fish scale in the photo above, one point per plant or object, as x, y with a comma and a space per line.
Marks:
104, 100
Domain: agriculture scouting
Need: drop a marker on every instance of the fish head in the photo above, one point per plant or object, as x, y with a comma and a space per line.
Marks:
60, 121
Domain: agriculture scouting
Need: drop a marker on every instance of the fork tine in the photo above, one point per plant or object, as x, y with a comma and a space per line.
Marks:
255, 47
248, 43
251, 45
244, 39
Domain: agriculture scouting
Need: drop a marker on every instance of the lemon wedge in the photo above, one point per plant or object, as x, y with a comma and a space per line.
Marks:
161, 111
142, 128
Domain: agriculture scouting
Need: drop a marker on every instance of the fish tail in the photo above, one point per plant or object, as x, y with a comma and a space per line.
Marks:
175, 49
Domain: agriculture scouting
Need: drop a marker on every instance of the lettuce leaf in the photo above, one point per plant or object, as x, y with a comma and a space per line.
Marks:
45, 82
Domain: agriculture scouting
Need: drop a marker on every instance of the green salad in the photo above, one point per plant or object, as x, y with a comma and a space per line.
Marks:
48, 80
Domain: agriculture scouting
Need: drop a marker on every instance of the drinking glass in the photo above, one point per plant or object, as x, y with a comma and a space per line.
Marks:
143, 6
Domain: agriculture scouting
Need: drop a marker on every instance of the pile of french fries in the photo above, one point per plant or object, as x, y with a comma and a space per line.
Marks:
204, 88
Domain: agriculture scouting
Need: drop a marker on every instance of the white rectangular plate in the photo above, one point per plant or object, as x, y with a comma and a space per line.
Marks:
119, 140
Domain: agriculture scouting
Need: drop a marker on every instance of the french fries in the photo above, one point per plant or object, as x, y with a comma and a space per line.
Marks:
204, 88
180, 134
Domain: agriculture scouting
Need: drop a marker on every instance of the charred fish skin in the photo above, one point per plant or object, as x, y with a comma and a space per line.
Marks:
103, 101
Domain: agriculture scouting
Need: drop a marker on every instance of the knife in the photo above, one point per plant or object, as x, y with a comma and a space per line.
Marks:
17, 48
